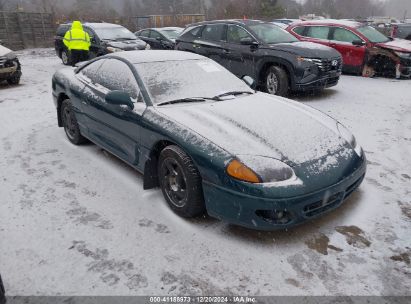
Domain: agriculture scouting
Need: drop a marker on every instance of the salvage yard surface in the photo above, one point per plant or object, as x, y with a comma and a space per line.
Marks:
76, 221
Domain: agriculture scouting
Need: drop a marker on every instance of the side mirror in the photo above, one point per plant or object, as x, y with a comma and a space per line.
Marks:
248, 41
358, 42
120, 98
249, 81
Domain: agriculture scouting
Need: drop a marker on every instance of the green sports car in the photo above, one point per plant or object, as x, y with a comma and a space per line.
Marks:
210, 142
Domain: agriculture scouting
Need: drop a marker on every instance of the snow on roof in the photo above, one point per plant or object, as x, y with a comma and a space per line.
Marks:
169, 28
101, 25
157, 56
333, 21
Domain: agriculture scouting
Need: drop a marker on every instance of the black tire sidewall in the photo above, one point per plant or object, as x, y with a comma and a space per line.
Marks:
77, 137
195, 200
282, 78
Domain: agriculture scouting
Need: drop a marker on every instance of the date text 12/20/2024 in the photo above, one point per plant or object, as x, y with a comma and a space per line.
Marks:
221, 299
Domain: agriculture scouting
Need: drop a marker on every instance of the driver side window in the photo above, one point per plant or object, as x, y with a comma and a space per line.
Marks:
236, 33
116, 75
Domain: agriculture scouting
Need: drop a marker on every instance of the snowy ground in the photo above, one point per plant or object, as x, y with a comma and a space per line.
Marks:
76, 221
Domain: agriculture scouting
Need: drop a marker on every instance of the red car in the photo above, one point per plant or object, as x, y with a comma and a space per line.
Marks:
364, 49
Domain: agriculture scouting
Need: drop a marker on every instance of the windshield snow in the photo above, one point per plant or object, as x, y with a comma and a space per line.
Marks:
170, 34
114, 33
372, 34
173, 80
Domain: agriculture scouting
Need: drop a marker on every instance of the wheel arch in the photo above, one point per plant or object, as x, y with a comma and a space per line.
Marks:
150, 179
280, 63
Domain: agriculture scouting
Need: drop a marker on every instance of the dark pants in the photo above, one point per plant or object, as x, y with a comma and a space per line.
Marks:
78, 56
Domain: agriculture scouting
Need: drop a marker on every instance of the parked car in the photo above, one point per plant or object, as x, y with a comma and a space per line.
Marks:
276, 60
401, 30
10, 67
2, 292
160, 38
286, 21
105, 38
360, 45
208, 140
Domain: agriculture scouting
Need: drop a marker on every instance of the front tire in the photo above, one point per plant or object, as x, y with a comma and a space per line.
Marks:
276, 81
65, 57
15, 80
180, 182
70, 123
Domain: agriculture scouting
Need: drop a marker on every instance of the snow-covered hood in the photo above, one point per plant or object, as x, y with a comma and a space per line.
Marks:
307, 49
127, 45
4, 51
263, 125
400, 45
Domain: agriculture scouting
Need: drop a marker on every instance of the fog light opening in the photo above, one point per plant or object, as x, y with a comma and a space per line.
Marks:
281, 217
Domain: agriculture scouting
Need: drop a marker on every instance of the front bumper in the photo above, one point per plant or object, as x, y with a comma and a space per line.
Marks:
255, 212
321, 82
10, 71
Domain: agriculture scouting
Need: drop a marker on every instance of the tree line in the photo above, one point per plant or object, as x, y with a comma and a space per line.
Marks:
213, 9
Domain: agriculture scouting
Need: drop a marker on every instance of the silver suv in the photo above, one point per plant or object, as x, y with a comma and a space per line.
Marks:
10, 67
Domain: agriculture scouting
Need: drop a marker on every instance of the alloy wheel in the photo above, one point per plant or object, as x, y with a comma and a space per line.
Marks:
69, 123
272, 83
64, 57
174, 181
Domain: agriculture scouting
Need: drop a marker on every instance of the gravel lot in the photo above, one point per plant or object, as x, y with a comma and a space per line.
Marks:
76, 221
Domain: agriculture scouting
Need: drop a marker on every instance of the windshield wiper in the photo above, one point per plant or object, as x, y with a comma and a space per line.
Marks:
234, 93
183, 100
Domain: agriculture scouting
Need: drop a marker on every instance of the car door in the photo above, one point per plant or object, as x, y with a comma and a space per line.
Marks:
156, 40
95, 49
114, 127
342, 40
237, 57
211, 42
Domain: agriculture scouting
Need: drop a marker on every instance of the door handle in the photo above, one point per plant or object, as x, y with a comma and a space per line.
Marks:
196, 46
226, 51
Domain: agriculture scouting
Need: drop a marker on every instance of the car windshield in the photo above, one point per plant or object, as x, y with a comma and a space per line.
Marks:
170, 34
372, 34
174, 80
270, 33
114, 33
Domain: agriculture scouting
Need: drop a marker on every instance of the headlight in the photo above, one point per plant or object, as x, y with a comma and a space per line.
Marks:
259, 169
304, 59
349, 137
113, 49
403, 55
148, 47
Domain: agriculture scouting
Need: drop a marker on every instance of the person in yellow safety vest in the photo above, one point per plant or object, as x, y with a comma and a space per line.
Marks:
77, 42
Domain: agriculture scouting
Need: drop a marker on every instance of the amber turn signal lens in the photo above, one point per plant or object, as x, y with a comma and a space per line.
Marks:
240, 171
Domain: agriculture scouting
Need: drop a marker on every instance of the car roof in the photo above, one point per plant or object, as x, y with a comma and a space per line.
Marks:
347, 23
167, 28
95, 24
231, 21
157, 56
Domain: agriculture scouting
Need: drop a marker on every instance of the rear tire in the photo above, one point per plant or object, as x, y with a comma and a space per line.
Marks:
180, 182
276, 81
65, 57
70, 123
